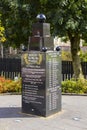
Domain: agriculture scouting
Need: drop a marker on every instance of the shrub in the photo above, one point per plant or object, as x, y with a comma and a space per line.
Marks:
72, 86
8, 85
66, 56
83, 56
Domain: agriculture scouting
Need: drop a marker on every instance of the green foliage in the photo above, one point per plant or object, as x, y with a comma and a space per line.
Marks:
17, 21
68, 18
64, 16
72, 86
85, 43
2, 32
83, 56
67, 15
66, 56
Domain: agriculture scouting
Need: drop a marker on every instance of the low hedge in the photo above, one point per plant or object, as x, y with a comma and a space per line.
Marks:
72, 86
68, 86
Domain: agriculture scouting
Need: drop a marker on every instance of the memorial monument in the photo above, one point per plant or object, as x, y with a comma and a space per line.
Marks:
41, 72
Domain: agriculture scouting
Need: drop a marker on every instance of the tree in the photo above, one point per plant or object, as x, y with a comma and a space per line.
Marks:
2, 36
17, 21
69, 18
18, 17
2, 32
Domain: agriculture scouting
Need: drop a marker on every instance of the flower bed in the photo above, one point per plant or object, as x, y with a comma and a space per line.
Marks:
8, 85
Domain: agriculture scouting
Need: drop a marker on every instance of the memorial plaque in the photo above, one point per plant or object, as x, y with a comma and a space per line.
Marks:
41, 83
53, 82
33, 85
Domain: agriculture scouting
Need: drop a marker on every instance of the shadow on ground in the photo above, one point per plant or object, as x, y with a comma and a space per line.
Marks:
13, 112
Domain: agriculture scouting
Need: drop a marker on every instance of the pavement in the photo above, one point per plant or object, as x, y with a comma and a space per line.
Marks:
72, 117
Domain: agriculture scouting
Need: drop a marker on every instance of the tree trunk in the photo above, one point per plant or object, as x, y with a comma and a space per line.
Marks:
75, 51
2, 50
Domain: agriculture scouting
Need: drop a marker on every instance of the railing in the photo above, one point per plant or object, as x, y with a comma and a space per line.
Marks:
10, 68
67, 69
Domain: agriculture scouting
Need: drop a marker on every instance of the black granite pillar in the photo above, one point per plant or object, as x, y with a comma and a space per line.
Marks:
41, 73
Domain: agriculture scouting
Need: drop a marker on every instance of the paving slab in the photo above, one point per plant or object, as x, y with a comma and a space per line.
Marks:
72, 117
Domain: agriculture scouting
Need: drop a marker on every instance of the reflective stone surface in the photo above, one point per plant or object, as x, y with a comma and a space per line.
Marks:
37, 43
41, 29
41, 83
41, 37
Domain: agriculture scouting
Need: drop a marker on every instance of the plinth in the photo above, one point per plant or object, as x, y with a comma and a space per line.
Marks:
41, 82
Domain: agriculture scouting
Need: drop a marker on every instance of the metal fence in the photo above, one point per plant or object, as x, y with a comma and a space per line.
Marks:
10, 68
67, 69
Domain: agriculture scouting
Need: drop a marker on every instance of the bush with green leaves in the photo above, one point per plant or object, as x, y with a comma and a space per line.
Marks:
72, 86
83, 56
66, 56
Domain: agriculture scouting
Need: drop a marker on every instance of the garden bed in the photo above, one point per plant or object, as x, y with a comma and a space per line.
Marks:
10, 86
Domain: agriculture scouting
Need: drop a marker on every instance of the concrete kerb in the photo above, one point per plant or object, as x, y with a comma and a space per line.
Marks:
67, 94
